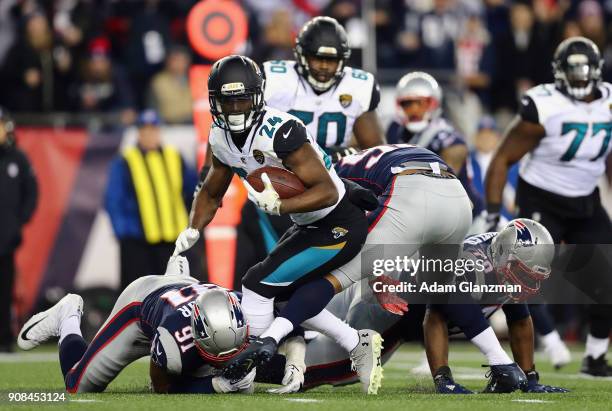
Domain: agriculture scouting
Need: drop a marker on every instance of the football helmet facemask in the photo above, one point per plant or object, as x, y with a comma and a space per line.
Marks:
325, 38
235, 93
577, 66
522, 253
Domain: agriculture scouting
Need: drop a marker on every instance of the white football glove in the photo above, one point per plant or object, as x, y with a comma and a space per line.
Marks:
178, 265
294, 350
223, 385
186, 239
292, 381
268, 200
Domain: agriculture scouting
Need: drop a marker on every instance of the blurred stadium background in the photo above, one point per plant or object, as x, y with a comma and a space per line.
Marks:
75, 73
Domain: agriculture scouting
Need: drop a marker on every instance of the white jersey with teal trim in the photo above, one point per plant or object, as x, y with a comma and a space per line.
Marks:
274, 136
571, 158
328, 116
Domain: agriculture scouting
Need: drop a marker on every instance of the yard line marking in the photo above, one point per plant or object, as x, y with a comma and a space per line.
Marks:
85, 400
302, 400
532, 401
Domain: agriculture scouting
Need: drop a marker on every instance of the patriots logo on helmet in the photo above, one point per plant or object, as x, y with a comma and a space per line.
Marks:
199, 323
523, 235
236, 310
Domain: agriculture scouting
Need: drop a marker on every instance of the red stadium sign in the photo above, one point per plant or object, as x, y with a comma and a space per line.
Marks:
217, 28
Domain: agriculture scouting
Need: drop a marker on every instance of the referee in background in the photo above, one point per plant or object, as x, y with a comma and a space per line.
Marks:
148, 192
18, 197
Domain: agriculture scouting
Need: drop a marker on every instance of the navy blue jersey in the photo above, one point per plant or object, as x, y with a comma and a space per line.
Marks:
476, 247
438, 136
166, 320
372, 168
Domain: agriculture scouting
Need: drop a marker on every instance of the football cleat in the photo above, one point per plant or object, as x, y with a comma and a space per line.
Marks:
46, 324
534, 386
505, 378
445, 384
595, 367
259, 351
365, 359
559, 355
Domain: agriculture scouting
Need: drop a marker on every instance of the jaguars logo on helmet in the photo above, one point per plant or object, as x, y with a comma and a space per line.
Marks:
321, 37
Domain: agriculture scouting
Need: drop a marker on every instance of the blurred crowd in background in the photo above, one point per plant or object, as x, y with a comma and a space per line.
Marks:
110, 56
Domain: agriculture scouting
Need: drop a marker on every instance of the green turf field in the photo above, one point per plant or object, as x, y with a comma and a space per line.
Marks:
39, 370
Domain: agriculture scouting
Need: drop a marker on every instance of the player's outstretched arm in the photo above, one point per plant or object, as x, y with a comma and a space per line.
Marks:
208, 198
206, 201
522, 137
320, 189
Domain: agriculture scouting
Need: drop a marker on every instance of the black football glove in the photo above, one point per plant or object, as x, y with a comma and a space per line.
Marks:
336, 153
492, 217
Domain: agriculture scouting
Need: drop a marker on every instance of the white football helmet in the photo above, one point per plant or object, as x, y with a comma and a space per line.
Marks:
218, 326
418, 85
522, 253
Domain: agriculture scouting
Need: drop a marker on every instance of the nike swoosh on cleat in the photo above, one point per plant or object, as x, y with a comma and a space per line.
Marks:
24, 334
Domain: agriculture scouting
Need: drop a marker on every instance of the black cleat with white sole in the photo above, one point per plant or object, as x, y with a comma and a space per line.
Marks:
258, 352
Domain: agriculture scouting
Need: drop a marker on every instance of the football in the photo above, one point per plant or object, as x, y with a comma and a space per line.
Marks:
285, 183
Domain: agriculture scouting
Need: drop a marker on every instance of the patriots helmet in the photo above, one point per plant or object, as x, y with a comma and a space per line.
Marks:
218, 326
522, 253
577, 67
421, 87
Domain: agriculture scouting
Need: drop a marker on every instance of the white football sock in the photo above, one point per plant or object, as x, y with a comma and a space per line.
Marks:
70, 325
489, 346
279, 329
258, 310
595, 347
551, 340
336, 329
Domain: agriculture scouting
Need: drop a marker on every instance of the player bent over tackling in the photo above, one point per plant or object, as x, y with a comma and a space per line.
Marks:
189, 330
521, 254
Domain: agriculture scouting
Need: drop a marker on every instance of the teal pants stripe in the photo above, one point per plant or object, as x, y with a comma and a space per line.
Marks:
299, 265
267, 231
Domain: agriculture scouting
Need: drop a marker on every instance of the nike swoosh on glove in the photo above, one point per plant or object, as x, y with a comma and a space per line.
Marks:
292, 381
268, 200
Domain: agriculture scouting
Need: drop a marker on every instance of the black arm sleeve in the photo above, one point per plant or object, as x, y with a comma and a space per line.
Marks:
288, 138
30, 191
375, 99
528, 110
